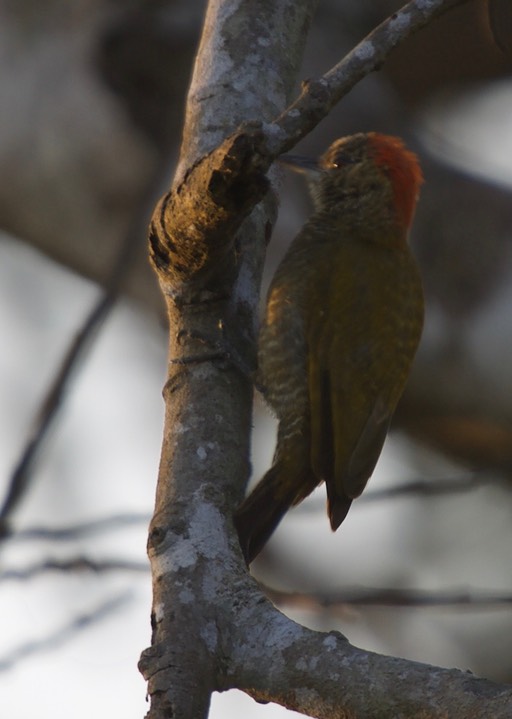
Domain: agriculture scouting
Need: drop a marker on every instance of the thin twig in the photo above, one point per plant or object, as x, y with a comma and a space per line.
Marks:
422, 488
76, 355
390, 597
77, 564
318, 97
65, 633
85, 529
415, 488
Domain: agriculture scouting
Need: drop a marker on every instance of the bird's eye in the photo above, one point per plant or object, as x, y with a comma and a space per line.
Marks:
343, 159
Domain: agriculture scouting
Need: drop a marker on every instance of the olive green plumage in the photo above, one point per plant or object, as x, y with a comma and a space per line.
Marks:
343, 319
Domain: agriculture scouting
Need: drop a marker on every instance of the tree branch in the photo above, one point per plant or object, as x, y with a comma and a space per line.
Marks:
75, 355
221, 189
76, 564
218, 192
68, 631
212, 627
109, 523
388, 597
192, 543
318, 97
323, 676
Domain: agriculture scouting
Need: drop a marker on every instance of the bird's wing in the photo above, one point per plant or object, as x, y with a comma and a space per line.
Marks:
348, 428
362, 337
349, 415
354, 476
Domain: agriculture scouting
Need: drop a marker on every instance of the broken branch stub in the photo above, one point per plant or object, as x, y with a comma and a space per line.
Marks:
191, 238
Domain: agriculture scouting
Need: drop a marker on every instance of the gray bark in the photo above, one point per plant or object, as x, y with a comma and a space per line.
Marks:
213, 629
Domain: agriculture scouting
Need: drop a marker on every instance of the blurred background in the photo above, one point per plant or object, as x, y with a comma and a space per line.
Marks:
92, 105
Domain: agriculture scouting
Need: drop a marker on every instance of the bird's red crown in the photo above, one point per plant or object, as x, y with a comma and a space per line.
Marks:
402, 168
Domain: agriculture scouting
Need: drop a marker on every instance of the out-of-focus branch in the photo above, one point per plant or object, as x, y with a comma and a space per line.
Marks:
47, 414
86, 529
388, 597
76, 355
500, 20
318, 97
116, 522
66, 632
77, 564
422, 488
418, 488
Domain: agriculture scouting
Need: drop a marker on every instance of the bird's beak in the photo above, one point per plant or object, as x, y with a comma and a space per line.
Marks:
298, 163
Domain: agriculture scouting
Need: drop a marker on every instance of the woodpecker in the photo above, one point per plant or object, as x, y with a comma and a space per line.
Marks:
343, 319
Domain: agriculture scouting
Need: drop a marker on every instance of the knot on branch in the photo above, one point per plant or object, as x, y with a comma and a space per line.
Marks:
152, 660
193, 227
311, 106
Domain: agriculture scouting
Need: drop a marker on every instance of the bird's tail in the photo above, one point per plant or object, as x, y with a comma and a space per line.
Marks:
337, 506
260, 513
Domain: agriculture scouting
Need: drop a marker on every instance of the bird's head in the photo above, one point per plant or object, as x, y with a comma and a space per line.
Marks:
365, 178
